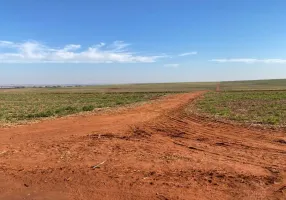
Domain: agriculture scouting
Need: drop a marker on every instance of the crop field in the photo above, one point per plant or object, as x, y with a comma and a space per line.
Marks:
275, 84
27, 104
259, 107
168, 147
17, 107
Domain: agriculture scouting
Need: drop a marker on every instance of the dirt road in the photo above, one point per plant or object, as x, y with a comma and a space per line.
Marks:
152, 151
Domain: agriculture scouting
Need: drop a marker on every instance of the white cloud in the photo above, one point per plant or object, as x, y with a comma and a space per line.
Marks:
36, 52
172, 65
250, 60
189, 53
6, 44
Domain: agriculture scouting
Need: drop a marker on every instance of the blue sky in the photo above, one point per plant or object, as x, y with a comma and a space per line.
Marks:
127, 41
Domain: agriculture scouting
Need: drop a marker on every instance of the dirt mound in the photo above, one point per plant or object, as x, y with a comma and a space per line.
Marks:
153, 151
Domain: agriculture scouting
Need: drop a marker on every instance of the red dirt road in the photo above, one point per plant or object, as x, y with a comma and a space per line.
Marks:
152, 151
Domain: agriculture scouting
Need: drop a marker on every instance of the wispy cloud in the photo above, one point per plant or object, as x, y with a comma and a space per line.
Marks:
250, 60
172, 65
188, 53
36, 52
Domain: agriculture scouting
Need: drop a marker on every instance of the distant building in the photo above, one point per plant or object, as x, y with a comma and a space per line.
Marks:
11, 87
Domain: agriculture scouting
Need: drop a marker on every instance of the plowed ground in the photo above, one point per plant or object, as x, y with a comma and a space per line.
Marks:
153, 151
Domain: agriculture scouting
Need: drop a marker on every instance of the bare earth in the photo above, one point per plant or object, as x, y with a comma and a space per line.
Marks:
152, 151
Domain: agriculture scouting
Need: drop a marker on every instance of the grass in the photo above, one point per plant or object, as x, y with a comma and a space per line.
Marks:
23, 106
259, 107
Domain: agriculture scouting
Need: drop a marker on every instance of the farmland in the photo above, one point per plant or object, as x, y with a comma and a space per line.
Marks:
256, 108
161, 147
28, 104
275, 84
16, 107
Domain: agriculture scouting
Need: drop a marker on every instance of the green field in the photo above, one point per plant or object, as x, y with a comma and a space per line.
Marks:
259, 107
17, 107
27, 104
276, 84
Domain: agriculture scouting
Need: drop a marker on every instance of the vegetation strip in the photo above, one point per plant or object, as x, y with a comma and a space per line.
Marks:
260, 107
17, 107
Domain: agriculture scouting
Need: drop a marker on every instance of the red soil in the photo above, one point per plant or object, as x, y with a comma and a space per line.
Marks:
152, 151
